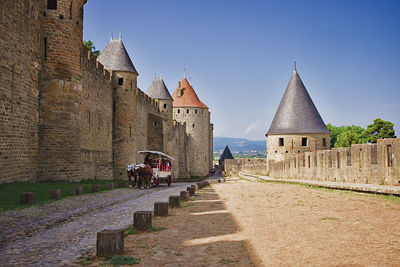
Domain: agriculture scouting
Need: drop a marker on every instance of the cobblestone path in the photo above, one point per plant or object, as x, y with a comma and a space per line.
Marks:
59, 232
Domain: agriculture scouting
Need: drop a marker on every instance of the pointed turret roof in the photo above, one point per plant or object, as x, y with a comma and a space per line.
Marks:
188, 96
116, 58
296, 112
226, 154
158, 89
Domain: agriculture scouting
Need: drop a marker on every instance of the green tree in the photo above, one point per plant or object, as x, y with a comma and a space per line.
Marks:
89, 45
344, 136
379, 129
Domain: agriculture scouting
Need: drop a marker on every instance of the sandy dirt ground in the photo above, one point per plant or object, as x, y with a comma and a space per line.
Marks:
249, 223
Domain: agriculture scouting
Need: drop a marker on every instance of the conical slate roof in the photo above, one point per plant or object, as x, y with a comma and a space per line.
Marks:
158, 90
296, 112
188, 98
116, 58
226, 154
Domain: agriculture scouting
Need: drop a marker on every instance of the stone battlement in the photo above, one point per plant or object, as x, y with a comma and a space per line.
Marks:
362, 163
146, 98
89, 63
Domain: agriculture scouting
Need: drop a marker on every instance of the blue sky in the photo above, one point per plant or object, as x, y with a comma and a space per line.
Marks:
239, 55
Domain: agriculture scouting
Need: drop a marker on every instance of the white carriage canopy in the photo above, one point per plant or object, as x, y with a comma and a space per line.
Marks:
151, 152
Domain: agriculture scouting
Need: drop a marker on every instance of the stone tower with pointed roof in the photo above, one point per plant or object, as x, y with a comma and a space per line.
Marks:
115, 59
226, 154
297, 126
189, 109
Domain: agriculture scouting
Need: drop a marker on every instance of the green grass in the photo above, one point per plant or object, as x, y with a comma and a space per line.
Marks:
155, 229
9, 192
123, 260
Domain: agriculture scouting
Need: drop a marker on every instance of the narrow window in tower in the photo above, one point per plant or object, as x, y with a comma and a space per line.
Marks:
309, 162
281, 142
179, 111
338, 160
187, 111
389, 156
45, 49
193, 125
130, 130
70, 11
165, 105
324, 142
52, 4
120, 81
304, 141
81, 13
155, 124
195, 111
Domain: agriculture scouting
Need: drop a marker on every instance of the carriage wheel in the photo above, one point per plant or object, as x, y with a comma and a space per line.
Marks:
169, 180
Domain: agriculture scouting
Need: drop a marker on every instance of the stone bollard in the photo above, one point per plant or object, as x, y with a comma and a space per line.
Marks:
109, 185
27, 198
122, 184
191, 191
55, 194
161, 209
199, 185
195, 186
184, 196
142, 220
95, 188
174, 201
110, 242
78, 190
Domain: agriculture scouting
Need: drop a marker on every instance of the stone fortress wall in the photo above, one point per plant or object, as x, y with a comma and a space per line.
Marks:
363, 163
62, 115
20, 64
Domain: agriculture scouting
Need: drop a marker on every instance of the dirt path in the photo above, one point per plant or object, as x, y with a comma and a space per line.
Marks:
243, 223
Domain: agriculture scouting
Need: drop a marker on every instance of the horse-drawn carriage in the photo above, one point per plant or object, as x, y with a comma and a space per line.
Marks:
157, 168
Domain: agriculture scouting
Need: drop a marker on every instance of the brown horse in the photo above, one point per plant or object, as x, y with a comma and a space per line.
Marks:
143, 174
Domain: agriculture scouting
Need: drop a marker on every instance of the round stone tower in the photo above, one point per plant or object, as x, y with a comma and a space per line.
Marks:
190, 110
297, 126
115, 59
60, 90
159, 92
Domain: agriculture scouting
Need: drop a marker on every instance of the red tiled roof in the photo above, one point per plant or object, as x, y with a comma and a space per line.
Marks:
188, 97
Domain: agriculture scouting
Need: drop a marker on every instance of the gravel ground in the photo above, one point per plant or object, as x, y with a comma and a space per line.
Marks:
59, 232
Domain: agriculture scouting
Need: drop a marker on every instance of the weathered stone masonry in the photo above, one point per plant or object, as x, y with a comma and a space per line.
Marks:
62, 114
366, 163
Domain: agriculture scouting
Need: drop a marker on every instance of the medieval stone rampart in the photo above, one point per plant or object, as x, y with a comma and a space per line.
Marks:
95, 119
63, 116
365, 163
20, 63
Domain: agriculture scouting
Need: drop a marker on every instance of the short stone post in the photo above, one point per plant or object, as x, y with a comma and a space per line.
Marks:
121, 184
161, 209
78, 190
142, 220
95, 188
110, 242
55, 194
185, 196
27, 198
195, 186
199, 185
191, 191
174, 201
109, 185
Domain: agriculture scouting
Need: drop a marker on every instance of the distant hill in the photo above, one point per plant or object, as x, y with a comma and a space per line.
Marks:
237, 145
